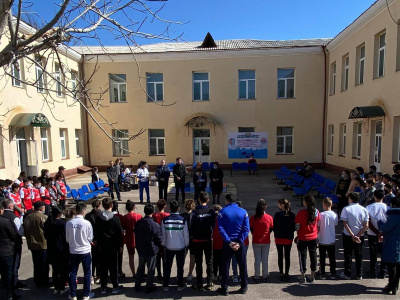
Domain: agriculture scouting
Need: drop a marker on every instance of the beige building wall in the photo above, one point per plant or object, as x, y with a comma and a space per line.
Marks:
375, 91
62, 113
304, 113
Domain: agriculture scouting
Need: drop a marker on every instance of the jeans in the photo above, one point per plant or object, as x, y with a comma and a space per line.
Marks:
374, 248
261, 253
108, 263
312, 250
40, 268
284, 248
162, 189
394, 274
144, 185
17, 263
6, 271
180, 261
217, 262
349, 247
330, 249
240, 255
235, 264
74, 261
180, 185
207, 249
151, 266
114, 185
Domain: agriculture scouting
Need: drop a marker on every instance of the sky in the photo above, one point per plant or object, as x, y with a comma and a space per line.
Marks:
249, 19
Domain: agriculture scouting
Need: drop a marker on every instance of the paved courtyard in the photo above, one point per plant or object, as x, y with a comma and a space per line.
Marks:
250, 188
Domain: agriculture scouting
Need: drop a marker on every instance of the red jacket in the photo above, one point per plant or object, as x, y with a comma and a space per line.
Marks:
128, 223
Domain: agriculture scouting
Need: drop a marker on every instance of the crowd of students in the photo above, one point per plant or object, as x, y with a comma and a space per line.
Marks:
96, 239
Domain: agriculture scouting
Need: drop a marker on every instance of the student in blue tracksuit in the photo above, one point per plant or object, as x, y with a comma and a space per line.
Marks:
233, 225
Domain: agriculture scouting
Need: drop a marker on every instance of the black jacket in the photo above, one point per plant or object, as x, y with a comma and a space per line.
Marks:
284, 225
57, 246
112, 173
8, 214
8, 235
162, 172
201, 184
203, 223
108, 232
92, 215
179, 171
148, 237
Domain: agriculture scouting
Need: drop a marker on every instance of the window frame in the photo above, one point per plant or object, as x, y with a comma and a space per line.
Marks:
40, 79
77, 141
112, 85
361, 66
343, 139
156, 139
333, 79
63, 143
201, 81
381, 49
149, 98
246, 129
121, 150
14, 79
247, 85
358, 139
58, 79
73, 83
284, 136
285, 79
331, 136
346, 67
46, 141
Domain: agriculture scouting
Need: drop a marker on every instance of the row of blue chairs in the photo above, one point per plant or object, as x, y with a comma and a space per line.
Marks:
244, 166
88, 192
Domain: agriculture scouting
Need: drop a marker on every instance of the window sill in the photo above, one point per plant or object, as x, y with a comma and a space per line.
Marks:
244, 99
278, 98
18, 86
65, 158
342, 91
162, 101
358, 84
356, 158
378, 77
342, 155
201, 100
47, 161
157, 155
329, 154
119, 102
123, 155
284, 153
330, 95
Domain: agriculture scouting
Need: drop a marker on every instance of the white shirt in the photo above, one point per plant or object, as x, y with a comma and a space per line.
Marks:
355, 215
142, 174
328, 221
377, 211
79, 234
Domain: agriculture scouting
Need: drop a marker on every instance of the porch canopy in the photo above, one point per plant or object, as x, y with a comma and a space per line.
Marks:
27, 119
367, 112
199, 120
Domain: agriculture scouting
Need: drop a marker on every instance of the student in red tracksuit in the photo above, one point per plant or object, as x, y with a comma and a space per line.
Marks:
217, 246
35, 191
15, 197
61, 189
45, 196
158, 217
26, 198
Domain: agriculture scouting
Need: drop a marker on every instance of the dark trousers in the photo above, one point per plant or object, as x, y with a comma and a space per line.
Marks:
394, 274
95, 262
160, 258
349, 247
40, 268
144, 185
374, 249
163, 189
6, 271
330, 249
60, 271
74, 261
150, 262
217, 262
302, 247
180, 261
227, 253
207, 249
281, 250
108, 263
180, 185
114, 185
197, 192
17, 263
120, 257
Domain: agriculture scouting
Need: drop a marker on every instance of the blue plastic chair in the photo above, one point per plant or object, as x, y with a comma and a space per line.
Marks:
205, 166
93, 189
77, 197
82, 195
254, 167
244, 166
211, 165
235, 167
102, 187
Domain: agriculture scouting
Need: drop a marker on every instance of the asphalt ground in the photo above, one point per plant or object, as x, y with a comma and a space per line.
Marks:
249, 189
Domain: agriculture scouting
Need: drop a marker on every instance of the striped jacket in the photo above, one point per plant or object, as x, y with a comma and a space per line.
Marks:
175, 232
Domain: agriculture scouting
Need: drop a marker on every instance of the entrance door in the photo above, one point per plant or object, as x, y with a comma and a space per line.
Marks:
201, 145
378, 145
21, 150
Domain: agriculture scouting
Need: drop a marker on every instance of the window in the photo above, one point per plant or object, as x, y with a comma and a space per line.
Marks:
16, 73
246, 129
120, 143
360, 68
155, 87
381, 54
333, 78
2, 165
285, 83
284, 140
342, 142
201, 86
77, 133
357, 139
73, 83
57, 76
330, 139
247, 84
156, 142
45, 144
40, 78
63, 141
117, 88
345, 72
398, 47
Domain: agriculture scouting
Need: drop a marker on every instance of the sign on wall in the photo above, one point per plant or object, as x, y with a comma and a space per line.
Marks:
246, 144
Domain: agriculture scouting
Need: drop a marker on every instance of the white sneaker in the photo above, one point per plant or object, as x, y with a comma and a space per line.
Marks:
91, 295
72, 298
189, 277
62, 292
235, 279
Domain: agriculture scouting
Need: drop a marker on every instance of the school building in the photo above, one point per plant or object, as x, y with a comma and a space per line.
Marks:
332, 102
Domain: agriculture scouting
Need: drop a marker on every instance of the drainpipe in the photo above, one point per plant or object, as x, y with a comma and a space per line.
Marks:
88, 161
325, 104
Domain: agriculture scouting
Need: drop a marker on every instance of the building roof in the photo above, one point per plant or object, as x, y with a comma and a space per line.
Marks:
196, 46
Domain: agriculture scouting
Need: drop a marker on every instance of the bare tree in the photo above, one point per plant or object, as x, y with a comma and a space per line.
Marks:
76, 22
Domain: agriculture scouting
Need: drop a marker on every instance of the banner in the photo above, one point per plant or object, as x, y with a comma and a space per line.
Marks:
246, 144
